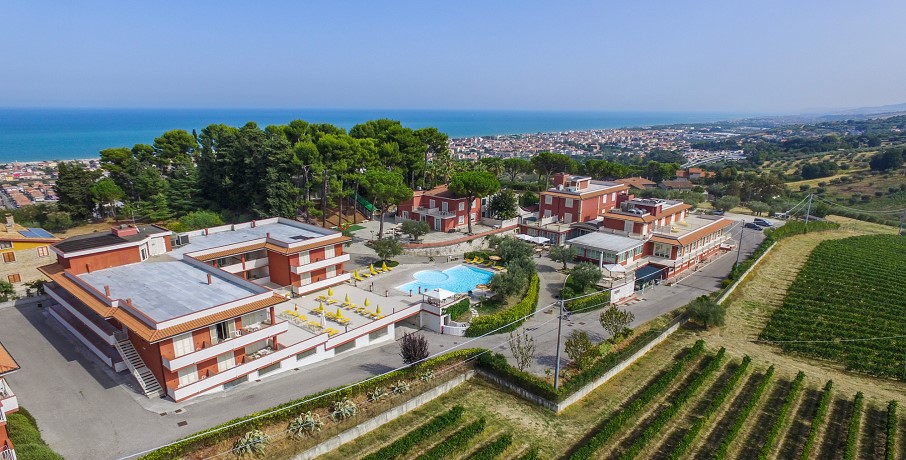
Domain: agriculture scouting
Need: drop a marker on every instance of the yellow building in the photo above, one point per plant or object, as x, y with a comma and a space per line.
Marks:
22, 251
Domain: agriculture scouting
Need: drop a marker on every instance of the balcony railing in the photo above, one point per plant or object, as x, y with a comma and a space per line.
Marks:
311, 266
239, 341
435, 212
7, 454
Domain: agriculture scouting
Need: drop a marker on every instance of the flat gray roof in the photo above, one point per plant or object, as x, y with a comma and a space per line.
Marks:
607, 242
164, 288
279, 231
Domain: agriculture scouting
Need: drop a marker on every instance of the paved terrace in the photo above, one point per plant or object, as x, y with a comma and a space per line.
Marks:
288, 232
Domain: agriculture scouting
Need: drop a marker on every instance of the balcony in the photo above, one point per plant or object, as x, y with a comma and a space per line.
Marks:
311, 266
8, 400
249, 265
248, 337
435, 212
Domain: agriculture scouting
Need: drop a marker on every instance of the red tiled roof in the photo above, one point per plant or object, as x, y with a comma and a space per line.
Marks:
7, 363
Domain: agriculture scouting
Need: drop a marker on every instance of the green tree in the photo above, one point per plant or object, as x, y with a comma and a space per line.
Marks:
58, 221
528, 199
503, 205
437, 147
386, 188
197, 220
522, 345
106, 193
616, 322
157, 209
7, 291
580, 349
706, 312
73, 188
758, 207
473, 184
548, 163
415, 228
584, 276
726, 203
510, 249
508, 284
513, 167
562, 254
386, 248
888, 159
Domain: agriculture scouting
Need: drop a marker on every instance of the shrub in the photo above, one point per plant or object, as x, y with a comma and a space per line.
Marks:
413, 348
580, 349
588, 303
252, 442
891, 430
343, 409
458, 309
852, 436
818, 420
510, 318
306, 423
706, 312
399, 387
616, 322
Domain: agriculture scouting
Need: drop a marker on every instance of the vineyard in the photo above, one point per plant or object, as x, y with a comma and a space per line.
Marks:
847, 305
699, 405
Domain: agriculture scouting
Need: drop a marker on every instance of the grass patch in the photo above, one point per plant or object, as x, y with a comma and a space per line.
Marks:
24, 433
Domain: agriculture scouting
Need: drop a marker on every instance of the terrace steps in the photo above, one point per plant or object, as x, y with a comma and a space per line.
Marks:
145, 378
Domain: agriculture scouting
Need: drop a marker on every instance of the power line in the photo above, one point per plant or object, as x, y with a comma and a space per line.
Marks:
894, 211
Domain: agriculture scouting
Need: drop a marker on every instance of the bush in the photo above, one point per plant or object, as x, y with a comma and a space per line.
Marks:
592, 302
458, 309
23, 432
494, 449
706, 312
456, 442
510, 318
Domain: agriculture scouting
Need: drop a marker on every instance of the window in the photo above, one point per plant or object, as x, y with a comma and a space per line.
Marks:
432, 204
188, 375
569, 203
306, 354
304, 257
144, 253
662, 250
462, 206
223, 331
14, 278
548, 199
6, 245
183, 344
226, 361
257, 346
42, 251
345, 347
378, 334
9, 257
473, 217
331, 271
255, 317
330, 252
305, 278
462, 220
568, 218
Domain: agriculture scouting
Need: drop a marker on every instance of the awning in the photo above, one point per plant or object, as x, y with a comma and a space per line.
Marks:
614, 268
439, 294
649, 272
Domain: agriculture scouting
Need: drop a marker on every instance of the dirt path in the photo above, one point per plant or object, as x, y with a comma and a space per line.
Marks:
749, 308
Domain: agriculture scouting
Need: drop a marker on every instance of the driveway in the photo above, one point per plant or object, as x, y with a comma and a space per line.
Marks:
85, 411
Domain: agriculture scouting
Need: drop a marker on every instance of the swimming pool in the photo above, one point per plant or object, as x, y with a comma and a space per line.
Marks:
459, 279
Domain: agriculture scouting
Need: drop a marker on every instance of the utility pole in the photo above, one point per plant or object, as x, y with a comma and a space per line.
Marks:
561, 305
808, 210
742, 229
902, 220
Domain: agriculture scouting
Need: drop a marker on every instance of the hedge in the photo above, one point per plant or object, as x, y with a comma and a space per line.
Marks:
458, 308
791, 228
592, 302
616, 423
473, 254
852, 436
454, 443
286, 411
24, 433
817, 420
494, 449
510, 317
402, 445
532, 454
496, 364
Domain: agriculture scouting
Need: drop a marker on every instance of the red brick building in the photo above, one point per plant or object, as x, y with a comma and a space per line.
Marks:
440, 208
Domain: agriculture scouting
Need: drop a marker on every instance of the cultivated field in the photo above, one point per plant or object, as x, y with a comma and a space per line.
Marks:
847, 305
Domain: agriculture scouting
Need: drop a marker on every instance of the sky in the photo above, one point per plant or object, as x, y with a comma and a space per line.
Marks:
737, 56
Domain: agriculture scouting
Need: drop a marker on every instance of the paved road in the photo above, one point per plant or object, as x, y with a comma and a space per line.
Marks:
87, 412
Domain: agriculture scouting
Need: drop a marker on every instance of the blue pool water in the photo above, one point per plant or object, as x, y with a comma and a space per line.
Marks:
459, 279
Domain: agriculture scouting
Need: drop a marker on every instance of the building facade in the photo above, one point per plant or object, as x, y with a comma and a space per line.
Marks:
195, 312
8, 403
440, 208
23, 250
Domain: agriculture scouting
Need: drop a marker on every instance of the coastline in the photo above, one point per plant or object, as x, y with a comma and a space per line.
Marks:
34, 136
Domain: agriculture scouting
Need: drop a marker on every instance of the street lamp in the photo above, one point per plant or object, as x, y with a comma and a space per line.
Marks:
742, 229
559, 328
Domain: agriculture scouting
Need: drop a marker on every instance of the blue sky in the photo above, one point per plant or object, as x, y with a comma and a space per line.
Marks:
731, 56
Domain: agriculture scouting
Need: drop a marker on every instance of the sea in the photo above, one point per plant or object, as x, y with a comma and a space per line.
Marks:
29, 135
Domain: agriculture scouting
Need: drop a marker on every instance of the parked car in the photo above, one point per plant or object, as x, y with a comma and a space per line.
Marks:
753, 226
717, 212
763, 223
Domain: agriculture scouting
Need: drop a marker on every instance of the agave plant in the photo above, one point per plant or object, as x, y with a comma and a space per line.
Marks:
306, 423
427, 375
252, 442
377, 394
399, 387
344, 409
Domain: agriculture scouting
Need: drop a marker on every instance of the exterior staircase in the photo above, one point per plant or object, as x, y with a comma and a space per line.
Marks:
145, 378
